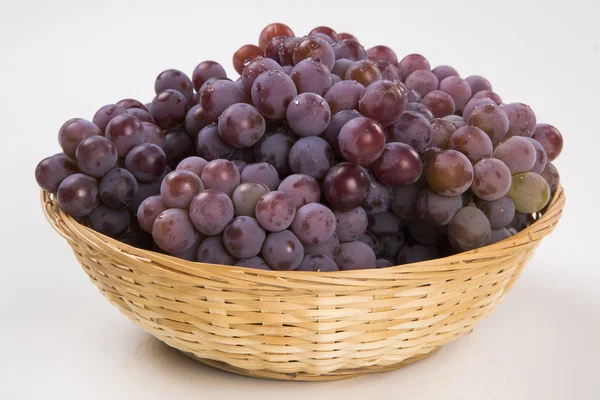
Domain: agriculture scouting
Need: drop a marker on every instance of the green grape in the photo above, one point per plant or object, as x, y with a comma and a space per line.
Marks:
529, 191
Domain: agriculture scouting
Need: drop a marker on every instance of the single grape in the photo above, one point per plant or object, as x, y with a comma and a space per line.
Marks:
458, 89
349, 49
193, 164
263, 173
385, 223
241, 125
275, 211
327, 31
491, 179
244, 54
492, 120
541, 158
469, 229
311, 156
314, 223
450, 173
478, 83
272, 47
518, 153
245, 197
332, 132
211, 81
212, 251
411, 63
206, 70
488, 94
146, 162
314, 48
178, 145
272, 92
118, 188
551, 175
382, 53
254, 262
522, 121
410, 254
389, 245
329, 248
456, 120
271, 31
274, 148
472, 142
364, 72
125, 132
210, 211
301, 188
74, 132
211, 146
344, 35
142, 115
498, 235
196, 120
317, 263
550, 139
254, 68
529, 191
243, 237
178, 188
379, 198
355, 255
444, 71
218, 96
149, 210
173, 231
78, 195
334, 78
109, 221
308, 114
175, 80
350, 225
129, 104
382, 101
423, 81
361, 141
344, 95
192, 253
410, 94
311, 76
499, 212
282, 251
412, 129
341, 66
221, 175
286, 50
383, 263
519, 222
346, 186
51, 171
441, 130
437, 209
144, 191
153, 134
102, 117
169, 109
404, 201
389, 72
440, 103
398, 166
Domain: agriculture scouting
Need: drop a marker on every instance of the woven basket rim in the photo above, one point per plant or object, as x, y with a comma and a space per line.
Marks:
60, 220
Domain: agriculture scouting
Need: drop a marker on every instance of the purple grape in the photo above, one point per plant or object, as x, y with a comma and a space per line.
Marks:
193, 164
241, 125
441, 130
311, 156
254, 262
389, 245
327, 31
101, 119
398, 166
492, 120
311, 76
379, 198
518, 153
175, 80
211, 211
144, 191
491, 179
404, 202
341, 66
349, 49
473, 104
390, 72
440, 103
329, 248
125, 132
317, 263
78, 195
344, 95
272, 47
129, 104
211, 146
301, 188
350, 225
551, 175
169, 109
334, 79
73, 132
146, 162
274, 148
195, 121
478, 83
499, 212
245, 197
383, 263
219, 95
382, 101
456, 120
313, 224
254, 68
212, 251
206, 70
109, 221
550, 139
96, 156
412, 129
153, 134
522, 121
415, 253
142, 115
149, 210
382, 53
488, 94
346, 186
458, 89
263, 173
541, 158
498, 235
426, 233
221, 175
282, 251
314, 48
361, 140
51, 171
272, 92
308, 114
355, 255
519, 222
243, 237
178, 188
423, 81
472, 142
469, 229
364, 72
411, 63
332, 132
444, 71
118, 188
450, 173
275, 211
178, 145
286, 50
192, 253
437, 209
211, 81
385, 223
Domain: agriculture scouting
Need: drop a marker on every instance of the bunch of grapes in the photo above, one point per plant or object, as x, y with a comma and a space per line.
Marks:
321, 156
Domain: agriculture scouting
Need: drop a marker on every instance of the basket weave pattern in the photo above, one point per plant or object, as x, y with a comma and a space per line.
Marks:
303, 325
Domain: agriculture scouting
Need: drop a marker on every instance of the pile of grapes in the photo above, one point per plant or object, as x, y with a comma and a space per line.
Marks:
322, 156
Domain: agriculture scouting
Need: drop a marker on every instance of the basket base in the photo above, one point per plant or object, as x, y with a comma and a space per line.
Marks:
333, 376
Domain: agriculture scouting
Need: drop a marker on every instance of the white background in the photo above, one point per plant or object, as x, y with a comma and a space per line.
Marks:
61, 59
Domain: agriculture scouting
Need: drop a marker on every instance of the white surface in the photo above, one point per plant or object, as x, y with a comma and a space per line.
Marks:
59, 338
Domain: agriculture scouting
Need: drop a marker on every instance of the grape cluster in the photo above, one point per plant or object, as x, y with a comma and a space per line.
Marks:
321, 156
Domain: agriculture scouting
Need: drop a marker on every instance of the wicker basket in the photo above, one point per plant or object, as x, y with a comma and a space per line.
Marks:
302, 325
